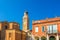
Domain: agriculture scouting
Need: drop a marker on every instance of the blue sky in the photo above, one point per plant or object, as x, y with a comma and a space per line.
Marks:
13, 10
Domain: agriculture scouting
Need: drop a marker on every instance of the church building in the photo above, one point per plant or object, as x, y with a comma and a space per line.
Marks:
11, 30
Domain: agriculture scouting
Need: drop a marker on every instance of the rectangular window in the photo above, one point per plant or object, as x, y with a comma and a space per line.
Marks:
9, 35
36, 29
49, 28
43, 29
52, 28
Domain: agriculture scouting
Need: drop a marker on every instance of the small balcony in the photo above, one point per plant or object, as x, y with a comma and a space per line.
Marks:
52, 32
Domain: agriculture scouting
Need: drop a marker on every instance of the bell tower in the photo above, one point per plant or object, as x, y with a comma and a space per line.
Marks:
25, 22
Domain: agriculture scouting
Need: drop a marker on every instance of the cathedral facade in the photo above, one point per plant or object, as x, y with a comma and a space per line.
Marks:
9, 31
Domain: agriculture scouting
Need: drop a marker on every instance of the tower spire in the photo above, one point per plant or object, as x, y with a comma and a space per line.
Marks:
26, 13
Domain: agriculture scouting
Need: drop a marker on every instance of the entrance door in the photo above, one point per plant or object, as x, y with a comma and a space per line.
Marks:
36, 38
43, 38
52, 38
59, 38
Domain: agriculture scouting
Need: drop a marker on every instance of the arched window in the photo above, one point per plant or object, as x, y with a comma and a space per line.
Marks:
6, 27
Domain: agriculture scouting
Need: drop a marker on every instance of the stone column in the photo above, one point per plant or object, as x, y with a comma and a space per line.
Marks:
39, 38
47, 37
33, 38
57, 37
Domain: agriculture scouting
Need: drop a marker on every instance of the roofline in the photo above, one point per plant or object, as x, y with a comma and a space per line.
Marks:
45, 19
